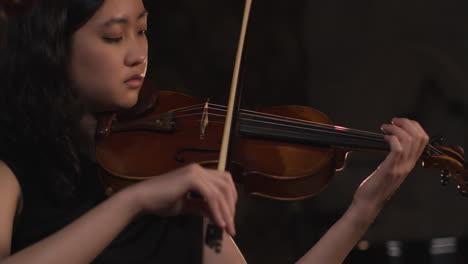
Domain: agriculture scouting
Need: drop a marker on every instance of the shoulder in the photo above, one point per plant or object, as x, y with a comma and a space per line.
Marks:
7, 177
10, 190
10, 201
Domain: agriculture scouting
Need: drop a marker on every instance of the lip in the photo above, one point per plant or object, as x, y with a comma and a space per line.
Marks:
135, 81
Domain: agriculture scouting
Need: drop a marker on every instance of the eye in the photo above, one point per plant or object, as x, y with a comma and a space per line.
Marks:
112, 40
142, 32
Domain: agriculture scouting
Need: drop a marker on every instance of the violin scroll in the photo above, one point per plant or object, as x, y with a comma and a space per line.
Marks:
451, 162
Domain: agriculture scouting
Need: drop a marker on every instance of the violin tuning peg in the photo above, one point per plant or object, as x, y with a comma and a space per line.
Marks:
444, 177
463, 191
444, 182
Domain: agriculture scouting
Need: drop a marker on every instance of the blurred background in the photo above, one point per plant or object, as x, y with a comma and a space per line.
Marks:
361, 63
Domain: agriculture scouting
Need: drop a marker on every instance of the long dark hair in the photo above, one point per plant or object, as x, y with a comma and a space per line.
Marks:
39, 111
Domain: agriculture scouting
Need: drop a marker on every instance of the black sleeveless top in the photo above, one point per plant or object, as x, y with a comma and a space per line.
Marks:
148, 239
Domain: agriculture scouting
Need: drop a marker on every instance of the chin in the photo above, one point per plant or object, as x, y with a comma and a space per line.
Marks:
128, 104
129, 100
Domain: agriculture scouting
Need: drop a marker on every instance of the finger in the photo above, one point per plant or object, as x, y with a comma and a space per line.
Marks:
218, 196
415, 135
403, 137
210, 185
394, 157
232, 191
423, 137
224, 181
198, 207
201, 208
234, 196
224, 188
206, 189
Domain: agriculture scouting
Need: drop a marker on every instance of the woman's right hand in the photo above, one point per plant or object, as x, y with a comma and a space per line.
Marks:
168, 194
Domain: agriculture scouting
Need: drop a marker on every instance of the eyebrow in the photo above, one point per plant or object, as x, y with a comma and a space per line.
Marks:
123, 20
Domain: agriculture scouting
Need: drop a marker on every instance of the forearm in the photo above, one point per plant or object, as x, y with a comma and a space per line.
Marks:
340, 239
82, 240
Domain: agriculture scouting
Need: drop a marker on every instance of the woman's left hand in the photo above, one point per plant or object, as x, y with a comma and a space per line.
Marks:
407, 141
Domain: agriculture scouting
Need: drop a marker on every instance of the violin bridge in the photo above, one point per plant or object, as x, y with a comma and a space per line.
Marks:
204, 121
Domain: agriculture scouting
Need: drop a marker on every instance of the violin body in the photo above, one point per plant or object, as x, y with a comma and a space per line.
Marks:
162, 140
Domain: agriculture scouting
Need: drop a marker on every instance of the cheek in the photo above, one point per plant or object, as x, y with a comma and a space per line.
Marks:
95, 72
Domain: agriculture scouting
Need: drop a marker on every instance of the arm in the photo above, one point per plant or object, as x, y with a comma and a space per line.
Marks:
336, 244
79, 242
82, 240
407, 141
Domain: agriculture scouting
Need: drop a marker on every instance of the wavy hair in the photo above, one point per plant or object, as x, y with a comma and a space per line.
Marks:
39, 111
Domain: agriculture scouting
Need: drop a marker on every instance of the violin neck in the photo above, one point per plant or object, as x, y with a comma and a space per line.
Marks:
313, 133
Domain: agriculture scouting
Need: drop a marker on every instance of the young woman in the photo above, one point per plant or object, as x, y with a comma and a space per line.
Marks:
66, 61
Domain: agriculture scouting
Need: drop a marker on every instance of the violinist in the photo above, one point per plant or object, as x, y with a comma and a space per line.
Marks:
66, 61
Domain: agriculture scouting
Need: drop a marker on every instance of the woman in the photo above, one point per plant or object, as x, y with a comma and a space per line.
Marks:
65, 62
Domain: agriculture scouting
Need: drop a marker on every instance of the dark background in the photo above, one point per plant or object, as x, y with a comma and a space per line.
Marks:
361, 63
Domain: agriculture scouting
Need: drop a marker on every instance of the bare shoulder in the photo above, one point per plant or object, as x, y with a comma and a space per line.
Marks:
9, 185
10, 197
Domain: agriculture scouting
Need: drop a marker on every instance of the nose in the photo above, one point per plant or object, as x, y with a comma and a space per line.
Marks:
137, 53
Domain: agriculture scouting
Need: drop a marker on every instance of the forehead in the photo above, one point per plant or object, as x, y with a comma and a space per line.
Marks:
129, 10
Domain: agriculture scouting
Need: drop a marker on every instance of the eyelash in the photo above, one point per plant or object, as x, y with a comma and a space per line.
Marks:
116, 40
112, 40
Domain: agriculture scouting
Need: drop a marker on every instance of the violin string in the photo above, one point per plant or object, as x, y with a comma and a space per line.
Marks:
283, 118
305, 129
310, 129
271, 116
336, 133
430, 147
265, 115
330, 128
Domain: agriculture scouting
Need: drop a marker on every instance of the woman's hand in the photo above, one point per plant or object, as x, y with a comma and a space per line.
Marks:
168, 194
407, 141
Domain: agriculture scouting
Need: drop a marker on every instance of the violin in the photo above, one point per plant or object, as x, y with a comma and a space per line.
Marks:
283, 152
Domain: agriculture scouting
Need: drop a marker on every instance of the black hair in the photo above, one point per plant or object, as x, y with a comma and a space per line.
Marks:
39, 111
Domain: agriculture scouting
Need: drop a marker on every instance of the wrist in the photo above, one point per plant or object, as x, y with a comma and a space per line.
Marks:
362, 214
129, 199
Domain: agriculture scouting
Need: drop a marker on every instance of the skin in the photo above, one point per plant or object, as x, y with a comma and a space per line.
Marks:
102, 59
